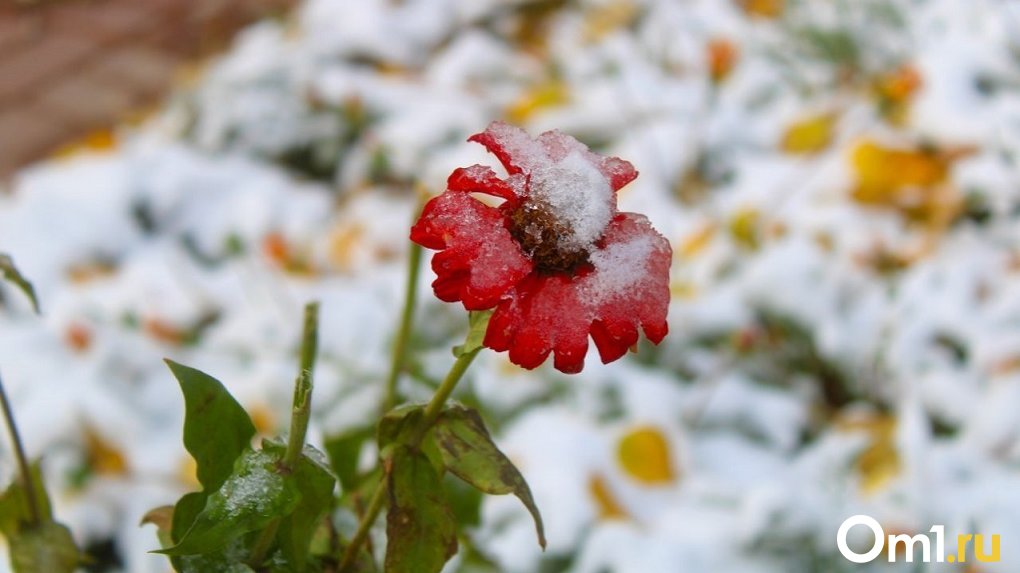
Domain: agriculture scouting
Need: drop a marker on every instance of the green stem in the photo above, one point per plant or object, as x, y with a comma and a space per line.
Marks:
35, 513
435, 406
367, 521
301, 411
404, 330
432, 411
302, 406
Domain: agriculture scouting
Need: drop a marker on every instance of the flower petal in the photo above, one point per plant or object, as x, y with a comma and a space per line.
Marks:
542, 314
482, 179
629, 285
479, 261
514, 148
625, 288
617, 171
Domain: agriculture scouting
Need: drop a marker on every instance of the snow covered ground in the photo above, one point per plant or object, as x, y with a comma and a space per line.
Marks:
838, 180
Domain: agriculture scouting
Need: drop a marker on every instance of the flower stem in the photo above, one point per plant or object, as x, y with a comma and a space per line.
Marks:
404, 330
300, 413
435, 406
432, 411
35, 513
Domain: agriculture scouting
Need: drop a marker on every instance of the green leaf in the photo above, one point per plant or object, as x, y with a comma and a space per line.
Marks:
185, 512
344, 451
470, 454
478, 322
400, 426
14, 276
315, 484
46, 548
421, 531
228, 560
256, 493
216, 427
465, 501
15, 512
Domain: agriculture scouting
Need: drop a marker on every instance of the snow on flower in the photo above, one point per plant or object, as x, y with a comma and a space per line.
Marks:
556, 260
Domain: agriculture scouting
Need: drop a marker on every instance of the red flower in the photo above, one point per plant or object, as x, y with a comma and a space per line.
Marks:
556, 259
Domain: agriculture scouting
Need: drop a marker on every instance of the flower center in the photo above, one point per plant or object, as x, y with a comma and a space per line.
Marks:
545, 238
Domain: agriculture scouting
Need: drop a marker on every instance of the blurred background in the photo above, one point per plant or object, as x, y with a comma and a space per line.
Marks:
838, 179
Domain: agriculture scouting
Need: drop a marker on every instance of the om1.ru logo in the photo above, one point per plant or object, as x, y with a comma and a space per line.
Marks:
910, 542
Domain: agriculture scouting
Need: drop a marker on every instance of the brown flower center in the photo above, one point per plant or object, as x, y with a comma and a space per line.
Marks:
545, 238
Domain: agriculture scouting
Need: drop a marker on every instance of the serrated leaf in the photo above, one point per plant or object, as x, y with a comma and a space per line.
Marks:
216, 427
315, 484
470, 454
14, 276
46, 548
421, 531
256, 493
478, 322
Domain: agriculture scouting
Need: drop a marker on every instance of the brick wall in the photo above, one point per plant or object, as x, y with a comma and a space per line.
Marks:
71, 67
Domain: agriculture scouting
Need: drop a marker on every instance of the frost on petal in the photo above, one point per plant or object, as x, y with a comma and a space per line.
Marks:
516, 150
542, 315
629, 285
617, 172
479, 261
578, 195
482, 179
625, 288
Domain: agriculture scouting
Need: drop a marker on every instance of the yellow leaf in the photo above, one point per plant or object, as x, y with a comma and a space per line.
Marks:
912, 182
644, 455
764, 8
880, 461
809, 135
883, 174
608, 507
604, 19
697, 241
683, 290
343, 244
101, 140
533, 22
543, 96
89, 271
103, 457
745, 228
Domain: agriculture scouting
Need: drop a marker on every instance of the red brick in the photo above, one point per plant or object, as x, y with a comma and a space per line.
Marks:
86, 101
104, 23
27, 134
167, 9
42, 62
144, 72
18, 31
